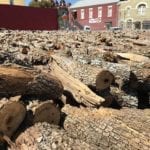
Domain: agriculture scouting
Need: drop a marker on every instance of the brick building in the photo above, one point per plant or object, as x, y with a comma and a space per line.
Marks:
134, 14
98, 14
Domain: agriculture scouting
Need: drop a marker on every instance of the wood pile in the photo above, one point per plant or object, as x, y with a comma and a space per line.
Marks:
54, 85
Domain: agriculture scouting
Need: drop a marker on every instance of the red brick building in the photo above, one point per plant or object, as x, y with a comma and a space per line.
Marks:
98, 14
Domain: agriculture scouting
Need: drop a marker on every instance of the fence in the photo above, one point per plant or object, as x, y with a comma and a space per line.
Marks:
28, 18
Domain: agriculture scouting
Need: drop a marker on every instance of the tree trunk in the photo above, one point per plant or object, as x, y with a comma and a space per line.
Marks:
95, 76
16, 81
108, 128
81, 93
88, 74
134, 57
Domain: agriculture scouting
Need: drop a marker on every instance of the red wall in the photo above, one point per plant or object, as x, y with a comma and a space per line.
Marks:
104, 19
28, 18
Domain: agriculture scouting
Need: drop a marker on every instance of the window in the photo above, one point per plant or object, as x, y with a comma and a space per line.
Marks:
90, 12
82, 13
141, 9
128, 11
129, 24
146, 24
109, 11
99, 12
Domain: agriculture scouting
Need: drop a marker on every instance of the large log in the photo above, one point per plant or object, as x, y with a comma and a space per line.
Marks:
134, 57
16, 81
46, 136
80, 91
89, 75
141, 42
95, 76
108, 128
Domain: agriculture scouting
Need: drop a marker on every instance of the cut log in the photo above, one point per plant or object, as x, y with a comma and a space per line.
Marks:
108, 128
140, 42
104, 79
80, 91
134, 57
16, 81
47, 112
88, 74
11, 116
130, 36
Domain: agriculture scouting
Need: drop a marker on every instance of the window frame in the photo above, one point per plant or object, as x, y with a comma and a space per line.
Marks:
100, 11
109, 11
141, 10
90, 13
82, 13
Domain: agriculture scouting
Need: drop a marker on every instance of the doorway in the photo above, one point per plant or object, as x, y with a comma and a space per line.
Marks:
108, 25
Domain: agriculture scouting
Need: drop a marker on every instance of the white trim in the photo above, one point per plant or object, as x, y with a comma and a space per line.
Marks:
140, 3
141, 10
109, 11
90, 13
128, 10
128, 7
82, 13
74, 10
89, 3
100, 11
126, 20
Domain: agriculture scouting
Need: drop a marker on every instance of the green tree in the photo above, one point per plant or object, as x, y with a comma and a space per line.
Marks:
34, 3
42, 3
45, 4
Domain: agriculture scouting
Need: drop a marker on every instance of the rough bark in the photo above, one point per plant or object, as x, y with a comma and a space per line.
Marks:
16, 81
109, 129
45, 136
80, 91
128, 98
90, 75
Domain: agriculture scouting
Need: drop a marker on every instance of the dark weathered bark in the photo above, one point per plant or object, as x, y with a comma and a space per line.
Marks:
128, 98
24, 58
46, 112
109, 129
15, 81
11, 116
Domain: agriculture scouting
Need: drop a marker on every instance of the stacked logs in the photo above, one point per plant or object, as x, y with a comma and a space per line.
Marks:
39, 77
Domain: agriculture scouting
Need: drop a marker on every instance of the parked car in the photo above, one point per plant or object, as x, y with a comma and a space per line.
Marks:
115, 28
87, 28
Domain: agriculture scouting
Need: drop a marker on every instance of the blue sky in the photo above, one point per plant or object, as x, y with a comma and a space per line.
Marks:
72, 1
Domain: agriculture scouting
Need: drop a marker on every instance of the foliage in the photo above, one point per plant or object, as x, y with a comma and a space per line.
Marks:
41, 4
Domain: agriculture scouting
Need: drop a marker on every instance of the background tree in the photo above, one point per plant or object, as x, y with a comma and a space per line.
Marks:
42, 3
62, 3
